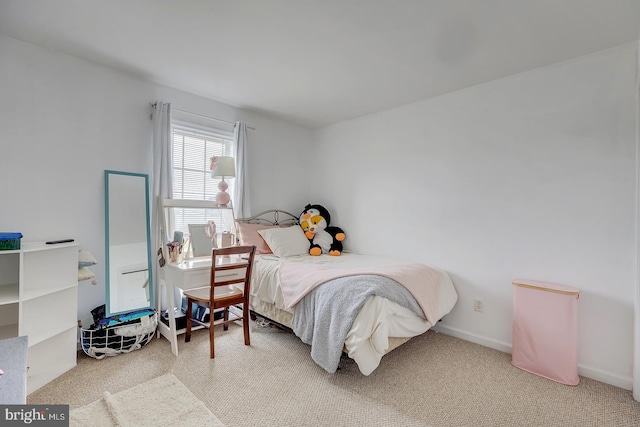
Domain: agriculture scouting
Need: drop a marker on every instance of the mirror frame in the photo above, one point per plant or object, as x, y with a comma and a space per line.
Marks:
107, 174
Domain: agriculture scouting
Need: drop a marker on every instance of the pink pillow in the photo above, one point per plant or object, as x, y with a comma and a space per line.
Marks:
248, 236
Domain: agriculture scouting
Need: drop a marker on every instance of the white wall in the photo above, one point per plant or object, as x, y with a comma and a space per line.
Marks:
63, 121
530, 176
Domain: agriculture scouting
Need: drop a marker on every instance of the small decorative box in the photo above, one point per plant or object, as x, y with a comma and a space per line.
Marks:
10, 241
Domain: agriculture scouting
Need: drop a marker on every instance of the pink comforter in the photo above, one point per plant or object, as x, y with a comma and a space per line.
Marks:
297, 280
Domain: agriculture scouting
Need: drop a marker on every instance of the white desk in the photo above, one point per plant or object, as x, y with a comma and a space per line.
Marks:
189, 274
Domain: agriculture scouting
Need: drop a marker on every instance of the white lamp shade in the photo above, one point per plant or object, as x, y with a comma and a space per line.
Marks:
223, 166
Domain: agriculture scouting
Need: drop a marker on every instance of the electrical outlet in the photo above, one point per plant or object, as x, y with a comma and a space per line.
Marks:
478, 305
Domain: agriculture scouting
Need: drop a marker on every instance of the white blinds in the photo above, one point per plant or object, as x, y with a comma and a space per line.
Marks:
192, 151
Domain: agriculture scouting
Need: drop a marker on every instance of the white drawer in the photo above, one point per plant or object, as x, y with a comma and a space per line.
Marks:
231, 274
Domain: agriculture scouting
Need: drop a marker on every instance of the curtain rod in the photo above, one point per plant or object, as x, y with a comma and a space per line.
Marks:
204, 117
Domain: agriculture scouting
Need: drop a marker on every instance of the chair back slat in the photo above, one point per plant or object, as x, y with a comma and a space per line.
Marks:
228, 282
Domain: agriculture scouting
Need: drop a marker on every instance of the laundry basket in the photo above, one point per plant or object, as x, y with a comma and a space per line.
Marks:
545, 330
123, 337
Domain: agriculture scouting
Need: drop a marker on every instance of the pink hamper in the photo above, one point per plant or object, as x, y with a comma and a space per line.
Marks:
545, 330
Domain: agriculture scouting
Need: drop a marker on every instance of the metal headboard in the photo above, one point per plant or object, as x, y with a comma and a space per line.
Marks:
271, 217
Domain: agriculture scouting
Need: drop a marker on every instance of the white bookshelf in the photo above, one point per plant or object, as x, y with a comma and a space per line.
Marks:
39, 299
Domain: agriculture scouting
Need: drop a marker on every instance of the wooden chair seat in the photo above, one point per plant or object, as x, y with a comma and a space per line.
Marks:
225, 291
203, 294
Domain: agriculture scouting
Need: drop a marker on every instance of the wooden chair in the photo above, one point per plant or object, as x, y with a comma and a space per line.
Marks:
226, 273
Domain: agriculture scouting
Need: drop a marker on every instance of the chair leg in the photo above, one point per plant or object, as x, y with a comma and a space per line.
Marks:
211, 340
225, 317
245, 323
187, 335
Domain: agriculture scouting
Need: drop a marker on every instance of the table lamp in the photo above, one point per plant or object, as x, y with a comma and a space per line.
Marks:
223, 166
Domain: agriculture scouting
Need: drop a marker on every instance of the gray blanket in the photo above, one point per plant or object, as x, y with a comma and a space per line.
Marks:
325, 315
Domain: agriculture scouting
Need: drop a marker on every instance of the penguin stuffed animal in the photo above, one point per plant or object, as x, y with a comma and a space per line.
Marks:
323, 238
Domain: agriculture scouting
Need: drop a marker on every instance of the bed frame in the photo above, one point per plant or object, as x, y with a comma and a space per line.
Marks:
271, 217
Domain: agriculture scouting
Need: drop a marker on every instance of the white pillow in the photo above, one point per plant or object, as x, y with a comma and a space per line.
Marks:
288, 241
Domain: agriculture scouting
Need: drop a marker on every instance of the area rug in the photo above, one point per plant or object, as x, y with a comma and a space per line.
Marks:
162, 401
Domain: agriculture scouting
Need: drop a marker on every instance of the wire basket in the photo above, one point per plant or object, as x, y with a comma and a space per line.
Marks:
114, 340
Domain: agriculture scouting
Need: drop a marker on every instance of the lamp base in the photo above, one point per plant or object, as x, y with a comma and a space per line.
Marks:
222, 198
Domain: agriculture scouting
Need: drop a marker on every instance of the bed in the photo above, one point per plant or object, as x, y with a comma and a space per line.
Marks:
361, 305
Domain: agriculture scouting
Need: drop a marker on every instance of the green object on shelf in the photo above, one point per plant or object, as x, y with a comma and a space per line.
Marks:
10, 241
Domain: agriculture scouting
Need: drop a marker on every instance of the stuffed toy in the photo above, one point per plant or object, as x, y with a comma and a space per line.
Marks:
323, 238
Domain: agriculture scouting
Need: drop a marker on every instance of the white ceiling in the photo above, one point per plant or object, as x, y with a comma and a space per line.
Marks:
317, 62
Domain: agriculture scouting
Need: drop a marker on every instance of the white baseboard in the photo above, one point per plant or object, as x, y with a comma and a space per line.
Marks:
605, 377
474, 338
583, 370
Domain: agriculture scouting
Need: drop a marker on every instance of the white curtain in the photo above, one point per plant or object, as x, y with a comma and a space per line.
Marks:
162, 179
241, 206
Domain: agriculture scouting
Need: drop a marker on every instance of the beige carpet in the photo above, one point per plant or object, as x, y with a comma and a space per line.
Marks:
433, 380
160, 401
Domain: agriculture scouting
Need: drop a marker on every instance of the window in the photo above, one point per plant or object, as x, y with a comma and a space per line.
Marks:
193, 148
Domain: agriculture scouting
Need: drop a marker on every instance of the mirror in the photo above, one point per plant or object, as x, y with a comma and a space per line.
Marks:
128, 242
201, 244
